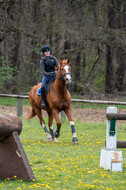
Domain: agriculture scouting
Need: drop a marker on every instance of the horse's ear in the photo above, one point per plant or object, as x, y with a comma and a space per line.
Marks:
60, 62
68, 60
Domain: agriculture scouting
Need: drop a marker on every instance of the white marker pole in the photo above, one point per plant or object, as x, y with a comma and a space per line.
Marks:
110, 157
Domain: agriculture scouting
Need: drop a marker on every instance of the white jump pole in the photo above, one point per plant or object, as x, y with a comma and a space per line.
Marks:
110, 157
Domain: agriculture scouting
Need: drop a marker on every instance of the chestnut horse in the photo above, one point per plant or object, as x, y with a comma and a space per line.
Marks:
58, 98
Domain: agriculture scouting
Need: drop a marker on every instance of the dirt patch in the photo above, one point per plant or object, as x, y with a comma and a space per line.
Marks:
89, 115
82, 114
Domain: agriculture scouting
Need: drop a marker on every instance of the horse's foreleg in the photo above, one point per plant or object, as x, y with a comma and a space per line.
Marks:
50, 123
42, 122
69, 115
49, 137
58, 123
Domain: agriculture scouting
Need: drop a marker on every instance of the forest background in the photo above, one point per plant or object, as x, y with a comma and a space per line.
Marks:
91, 32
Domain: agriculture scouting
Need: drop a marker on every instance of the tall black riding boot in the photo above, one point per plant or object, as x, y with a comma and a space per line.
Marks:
43, 97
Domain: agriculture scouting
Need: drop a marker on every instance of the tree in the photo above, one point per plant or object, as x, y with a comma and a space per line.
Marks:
79, 29
115, 57
121, 50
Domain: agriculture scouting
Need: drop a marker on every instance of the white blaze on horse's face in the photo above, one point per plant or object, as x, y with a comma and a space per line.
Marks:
68, 75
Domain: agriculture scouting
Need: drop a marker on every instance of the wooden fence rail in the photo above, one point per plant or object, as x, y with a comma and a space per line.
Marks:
21, 97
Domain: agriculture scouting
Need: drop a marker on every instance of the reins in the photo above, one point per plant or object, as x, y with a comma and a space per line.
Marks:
60, 78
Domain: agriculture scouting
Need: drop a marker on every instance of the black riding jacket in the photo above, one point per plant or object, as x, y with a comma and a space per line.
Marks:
48, 64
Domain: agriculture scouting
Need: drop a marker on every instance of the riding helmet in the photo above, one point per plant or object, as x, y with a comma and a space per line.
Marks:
45, 48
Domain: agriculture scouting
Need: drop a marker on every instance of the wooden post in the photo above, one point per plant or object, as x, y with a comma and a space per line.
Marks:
118, 116
13, 160
62, 113
19, 107
120, 144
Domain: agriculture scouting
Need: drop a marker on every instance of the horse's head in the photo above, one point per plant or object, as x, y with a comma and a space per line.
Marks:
65, 70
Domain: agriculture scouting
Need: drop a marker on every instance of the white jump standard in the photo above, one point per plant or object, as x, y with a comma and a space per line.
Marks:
110, 157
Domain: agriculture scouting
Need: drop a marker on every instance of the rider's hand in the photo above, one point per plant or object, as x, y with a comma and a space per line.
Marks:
52, 74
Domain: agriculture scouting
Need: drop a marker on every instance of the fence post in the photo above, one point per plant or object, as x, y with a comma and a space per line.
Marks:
111, 129
62, 113
110, 157
19, 106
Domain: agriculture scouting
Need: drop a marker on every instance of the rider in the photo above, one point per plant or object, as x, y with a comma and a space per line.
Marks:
47, 64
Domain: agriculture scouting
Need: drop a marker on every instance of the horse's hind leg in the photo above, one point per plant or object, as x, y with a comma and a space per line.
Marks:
69, 115
42, 122
50, 123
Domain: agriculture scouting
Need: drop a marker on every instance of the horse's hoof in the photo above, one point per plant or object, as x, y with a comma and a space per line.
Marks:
49, 137
55, 140
57, 134
75, 140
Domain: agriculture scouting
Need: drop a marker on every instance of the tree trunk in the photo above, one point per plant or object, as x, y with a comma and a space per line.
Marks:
77, 72
121, 52
109, 82
109, 79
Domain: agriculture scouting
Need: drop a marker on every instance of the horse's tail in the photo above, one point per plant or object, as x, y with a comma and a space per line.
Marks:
30, 112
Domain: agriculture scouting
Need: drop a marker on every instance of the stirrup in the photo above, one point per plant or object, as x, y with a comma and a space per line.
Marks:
43, 105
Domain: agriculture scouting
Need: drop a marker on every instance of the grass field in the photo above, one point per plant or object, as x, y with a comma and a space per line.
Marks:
64, 165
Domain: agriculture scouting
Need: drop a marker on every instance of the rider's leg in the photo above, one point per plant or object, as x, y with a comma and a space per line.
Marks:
43, 96
45, 80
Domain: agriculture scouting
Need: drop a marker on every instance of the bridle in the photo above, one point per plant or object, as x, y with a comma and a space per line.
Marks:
62, 77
